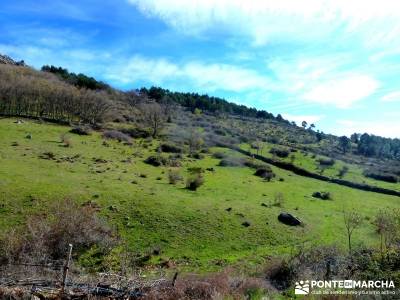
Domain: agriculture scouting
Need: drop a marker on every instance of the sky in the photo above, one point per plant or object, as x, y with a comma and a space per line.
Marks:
334, 63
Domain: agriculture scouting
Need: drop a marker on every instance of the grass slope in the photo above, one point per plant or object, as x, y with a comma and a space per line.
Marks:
191, 228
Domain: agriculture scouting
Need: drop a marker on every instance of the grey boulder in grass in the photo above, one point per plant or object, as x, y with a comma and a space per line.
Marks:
289, 219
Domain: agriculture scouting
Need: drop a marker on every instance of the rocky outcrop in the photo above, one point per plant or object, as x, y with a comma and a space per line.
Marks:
289, 219
6, 60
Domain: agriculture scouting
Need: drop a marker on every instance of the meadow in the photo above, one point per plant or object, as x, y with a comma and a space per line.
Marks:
231, 220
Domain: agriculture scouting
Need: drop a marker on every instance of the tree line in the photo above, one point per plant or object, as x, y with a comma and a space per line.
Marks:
207, 103
371, 145
80, 80
28, 93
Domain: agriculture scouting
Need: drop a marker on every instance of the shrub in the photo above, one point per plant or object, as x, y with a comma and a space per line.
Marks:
265, 173
169, 148
136, 132
81, 130
195, 170
197, 155
47, 235
116, 135
174, 160
281, 273
219, 155
278, 200
174, 176
326, 162
375, 174
251, 163
156, 161
282, 153
194, 182
343, 171
66, 140
322, 195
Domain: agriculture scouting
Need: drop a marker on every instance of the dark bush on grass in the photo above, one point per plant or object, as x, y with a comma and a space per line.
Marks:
322, 195
265, 173
46, 235
194, 182
219, 155
116, 135
81, 130
156, 161
282, 153
169, 148
326, 162
197, 155
375, 174
251, 163
136, 132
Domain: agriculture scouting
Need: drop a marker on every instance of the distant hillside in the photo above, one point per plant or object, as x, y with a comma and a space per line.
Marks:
59, 95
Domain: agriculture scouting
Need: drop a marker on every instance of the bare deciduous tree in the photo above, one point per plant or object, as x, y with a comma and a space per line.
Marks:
352, 220
29, 93
154, 117
194, 140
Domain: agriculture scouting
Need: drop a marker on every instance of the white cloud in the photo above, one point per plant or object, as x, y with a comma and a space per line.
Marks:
202, 77
391, 97
382, 128
343, 92
323, 81
310, 119
263, 20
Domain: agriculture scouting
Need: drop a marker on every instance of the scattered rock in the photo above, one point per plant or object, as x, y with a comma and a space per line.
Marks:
99, 160
289, 219
246, 224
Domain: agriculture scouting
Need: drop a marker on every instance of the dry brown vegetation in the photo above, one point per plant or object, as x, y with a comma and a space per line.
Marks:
29, 93
46, 235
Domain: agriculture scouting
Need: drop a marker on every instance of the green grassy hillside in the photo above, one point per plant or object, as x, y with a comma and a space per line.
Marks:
192, 228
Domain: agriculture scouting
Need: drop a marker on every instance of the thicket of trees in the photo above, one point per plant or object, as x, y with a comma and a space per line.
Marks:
29, 93
206, 103
376, 146
80, 80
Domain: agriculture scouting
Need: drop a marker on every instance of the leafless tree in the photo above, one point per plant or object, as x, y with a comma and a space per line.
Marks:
352, 220
27, 92
154, 117
194, 140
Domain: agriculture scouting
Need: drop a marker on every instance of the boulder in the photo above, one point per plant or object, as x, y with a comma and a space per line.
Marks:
289, 219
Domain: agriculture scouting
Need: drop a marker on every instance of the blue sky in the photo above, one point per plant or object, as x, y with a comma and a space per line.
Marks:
335, 63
